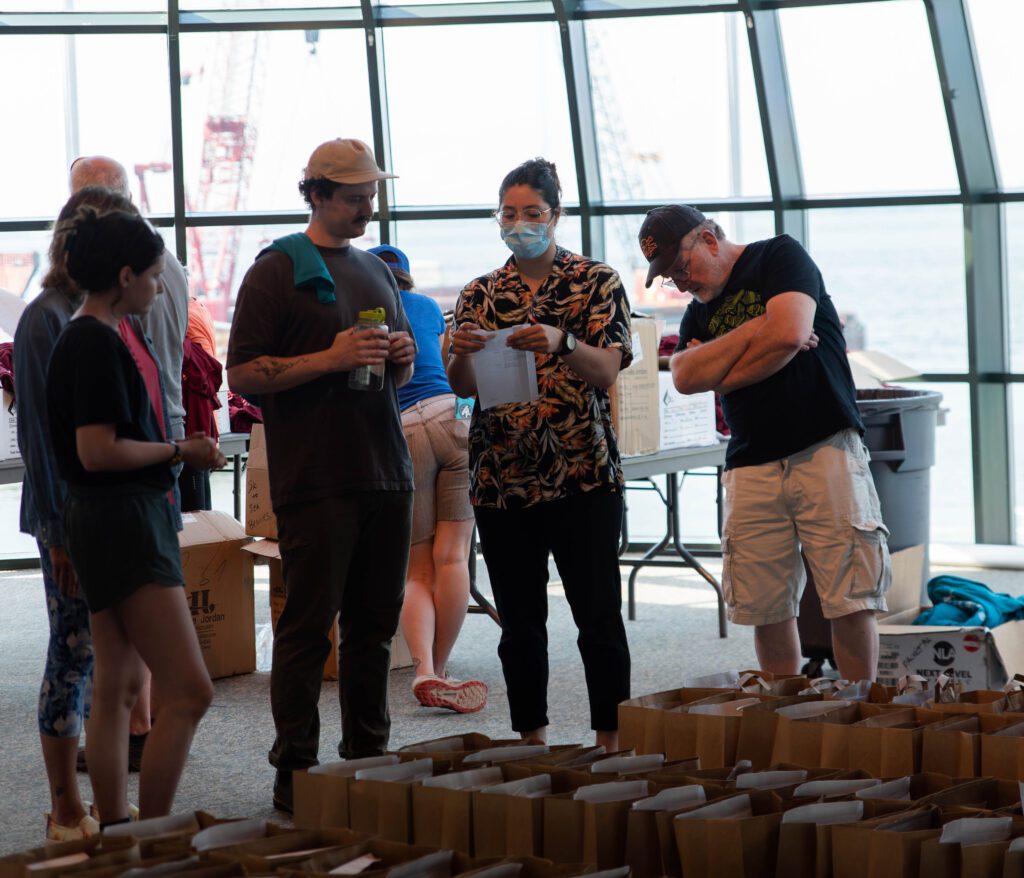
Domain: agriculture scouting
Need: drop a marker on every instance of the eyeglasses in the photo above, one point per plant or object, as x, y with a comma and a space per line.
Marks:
681, 267
508, 216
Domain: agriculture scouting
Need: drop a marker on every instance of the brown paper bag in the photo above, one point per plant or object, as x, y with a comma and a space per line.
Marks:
757, 729
743, 847
883, 847
953, 745
641, 720
282, 848
1002, 752
889, 744
711, 738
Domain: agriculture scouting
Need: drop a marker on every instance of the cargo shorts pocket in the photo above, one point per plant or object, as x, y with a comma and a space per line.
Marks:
727, 569
870, 572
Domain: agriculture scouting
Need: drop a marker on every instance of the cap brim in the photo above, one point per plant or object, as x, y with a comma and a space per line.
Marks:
368, 177
657, 267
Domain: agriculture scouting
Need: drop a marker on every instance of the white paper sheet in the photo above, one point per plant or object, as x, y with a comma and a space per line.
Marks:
466, 780
628, 764
349, 767
826, 813
618, 791
673, 799
726, 809
828, 788
976, 830
724, 708
225, 834
894, 791
505, 754
770, 780
504, 375
528, 787
405, 772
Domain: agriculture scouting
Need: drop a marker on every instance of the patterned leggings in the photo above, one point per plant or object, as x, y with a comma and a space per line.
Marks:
67, 680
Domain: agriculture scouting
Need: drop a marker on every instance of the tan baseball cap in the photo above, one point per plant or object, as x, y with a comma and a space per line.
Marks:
345, 160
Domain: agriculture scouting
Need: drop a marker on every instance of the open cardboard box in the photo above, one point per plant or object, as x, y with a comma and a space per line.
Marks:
980, 658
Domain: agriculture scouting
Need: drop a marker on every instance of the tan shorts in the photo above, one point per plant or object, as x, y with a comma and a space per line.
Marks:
439, 446
821, 500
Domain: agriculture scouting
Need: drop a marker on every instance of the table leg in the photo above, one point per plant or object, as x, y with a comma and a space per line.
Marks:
238, 486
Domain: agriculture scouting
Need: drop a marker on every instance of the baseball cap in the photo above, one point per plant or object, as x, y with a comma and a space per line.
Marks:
400, 261
663, 229
345, 160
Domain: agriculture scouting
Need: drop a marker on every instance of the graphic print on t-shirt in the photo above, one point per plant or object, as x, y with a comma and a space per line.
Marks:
735, 310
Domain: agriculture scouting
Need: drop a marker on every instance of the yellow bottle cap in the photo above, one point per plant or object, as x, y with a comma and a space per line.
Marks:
373, 315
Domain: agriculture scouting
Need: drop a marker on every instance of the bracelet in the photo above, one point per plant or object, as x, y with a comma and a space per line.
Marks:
178, 456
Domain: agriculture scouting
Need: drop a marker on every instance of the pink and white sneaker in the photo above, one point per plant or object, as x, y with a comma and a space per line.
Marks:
462, 696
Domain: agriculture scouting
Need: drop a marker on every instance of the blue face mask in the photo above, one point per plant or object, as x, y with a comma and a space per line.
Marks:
527, 240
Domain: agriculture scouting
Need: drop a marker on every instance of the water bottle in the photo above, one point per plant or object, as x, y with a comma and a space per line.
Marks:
368, 377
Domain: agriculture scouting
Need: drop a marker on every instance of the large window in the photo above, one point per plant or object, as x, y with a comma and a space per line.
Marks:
468, 103
867, 100
899, 271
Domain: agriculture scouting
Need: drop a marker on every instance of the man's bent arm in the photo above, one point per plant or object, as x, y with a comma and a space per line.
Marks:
788, 326
273, 374
705, 366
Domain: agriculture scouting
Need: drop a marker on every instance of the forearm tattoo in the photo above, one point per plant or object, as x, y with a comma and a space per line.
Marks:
272, 369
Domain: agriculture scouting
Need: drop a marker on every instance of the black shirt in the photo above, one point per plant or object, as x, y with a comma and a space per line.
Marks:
92, 379
812, 396
323, 438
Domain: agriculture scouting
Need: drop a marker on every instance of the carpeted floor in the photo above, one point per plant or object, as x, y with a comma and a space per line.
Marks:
674, 638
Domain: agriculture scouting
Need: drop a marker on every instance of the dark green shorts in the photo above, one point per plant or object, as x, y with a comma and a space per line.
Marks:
120, 539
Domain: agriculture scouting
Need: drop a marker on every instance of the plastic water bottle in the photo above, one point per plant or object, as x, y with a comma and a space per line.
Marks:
368, 377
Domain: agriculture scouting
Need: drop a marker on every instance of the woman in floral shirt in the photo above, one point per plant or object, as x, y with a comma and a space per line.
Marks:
545, 475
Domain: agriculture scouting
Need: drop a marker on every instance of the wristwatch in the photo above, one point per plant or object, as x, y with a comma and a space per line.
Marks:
568, 343
178, 456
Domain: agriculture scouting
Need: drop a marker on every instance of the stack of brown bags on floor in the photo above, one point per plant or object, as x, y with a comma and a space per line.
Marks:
759, 777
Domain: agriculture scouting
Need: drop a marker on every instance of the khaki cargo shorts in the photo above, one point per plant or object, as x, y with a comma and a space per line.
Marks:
821, 500
439, 447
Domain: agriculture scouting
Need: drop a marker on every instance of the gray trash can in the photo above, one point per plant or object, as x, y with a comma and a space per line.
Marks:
900, 434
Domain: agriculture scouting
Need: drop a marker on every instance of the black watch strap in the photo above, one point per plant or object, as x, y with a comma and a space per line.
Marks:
569, 341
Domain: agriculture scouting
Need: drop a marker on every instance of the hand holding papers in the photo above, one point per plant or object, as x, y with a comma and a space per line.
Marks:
503, 374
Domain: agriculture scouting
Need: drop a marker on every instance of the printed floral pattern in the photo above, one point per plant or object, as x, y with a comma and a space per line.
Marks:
562, 444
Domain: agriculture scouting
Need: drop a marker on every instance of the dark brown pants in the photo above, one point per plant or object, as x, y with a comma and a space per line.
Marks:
344, 555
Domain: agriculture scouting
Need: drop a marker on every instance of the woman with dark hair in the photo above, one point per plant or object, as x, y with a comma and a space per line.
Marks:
546, 477
119, 524
437, 581
68, 672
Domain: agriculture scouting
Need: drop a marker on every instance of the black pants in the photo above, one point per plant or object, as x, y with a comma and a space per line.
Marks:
348, 555
194, 486
582, 534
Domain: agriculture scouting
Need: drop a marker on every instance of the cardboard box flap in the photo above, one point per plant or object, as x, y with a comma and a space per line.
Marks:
264, 549
871, 368
982, 633
1008, 641
202, 528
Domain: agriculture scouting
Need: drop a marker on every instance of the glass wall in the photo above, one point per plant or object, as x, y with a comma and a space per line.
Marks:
834, 130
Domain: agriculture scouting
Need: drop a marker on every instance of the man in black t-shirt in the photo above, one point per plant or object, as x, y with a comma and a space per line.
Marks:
763, 332
341, 478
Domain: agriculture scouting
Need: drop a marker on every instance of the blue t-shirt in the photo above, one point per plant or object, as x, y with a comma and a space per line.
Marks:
428, 377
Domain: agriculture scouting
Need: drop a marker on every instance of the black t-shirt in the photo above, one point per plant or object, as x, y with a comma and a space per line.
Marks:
92, 379
812, 396
323, 438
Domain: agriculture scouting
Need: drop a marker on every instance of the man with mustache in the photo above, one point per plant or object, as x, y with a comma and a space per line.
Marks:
341, 478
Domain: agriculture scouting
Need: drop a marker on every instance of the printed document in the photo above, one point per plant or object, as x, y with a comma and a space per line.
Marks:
503, 374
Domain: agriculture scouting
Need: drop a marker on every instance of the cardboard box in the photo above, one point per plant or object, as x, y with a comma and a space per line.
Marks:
8, 428
222, 415
270, 552
687, 420
634, 397
259, 514
873, 369
219, 589
979, 658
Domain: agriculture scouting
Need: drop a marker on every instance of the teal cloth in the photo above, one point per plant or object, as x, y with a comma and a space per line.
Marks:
310, 270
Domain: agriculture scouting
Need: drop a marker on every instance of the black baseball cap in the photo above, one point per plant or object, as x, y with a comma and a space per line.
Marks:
663, 229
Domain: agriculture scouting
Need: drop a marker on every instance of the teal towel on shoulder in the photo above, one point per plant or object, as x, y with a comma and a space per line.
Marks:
310, 270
